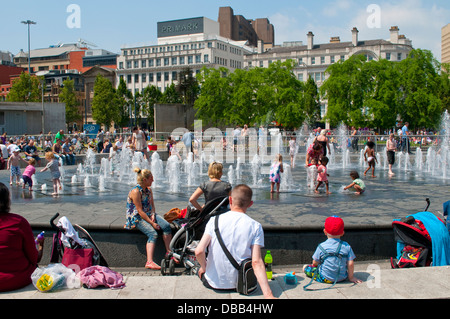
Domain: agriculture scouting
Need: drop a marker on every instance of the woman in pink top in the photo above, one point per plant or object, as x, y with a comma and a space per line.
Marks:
322, 176
18, 254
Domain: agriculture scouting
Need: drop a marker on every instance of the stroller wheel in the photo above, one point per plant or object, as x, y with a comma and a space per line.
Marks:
163, 266
171, 267
193, 271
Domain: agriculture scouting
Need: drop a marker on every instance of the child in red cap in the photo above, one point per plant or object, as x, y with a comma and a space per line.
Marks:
333, 259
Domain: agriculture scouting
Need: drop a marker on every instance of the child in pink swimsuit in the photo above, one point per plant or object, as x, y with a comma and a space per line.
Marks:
28, 173
322, 176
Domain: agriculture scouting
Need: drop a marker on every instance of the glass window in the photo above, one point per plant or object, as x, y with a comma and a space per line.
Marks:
313, 60
166, 76
158, 76
144, 63
166, 61
158, 62
181, 60
206, 58
150, 77
198, 58
151, 62
144, 78
174, 61
190, 59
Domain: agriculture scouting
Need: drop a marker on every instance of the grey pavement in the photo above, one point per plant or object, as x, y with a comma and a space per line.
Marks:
379, 282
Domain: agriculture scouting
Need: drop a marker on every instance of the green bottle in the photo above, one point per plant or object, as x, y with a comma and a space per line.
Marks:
268, 261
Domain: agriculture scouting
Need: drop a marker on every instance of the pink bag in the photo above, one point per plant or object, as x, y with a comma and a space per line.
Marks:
77, 259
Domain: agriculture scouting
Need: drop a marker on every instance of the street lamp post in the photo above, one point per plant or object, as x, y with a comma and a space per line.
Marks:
28, 22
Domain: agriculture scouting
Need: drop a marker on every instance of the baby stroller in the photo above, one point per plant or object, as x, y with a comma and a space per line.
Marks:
190, 231
422, 240
73, 246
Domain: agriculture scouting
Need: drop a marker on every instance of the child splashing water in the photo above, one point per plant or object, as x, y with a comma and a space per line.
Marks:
53, 165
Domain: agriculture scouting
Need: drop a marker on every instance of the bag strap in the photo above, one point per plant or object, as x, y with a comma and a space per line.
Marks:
222, 244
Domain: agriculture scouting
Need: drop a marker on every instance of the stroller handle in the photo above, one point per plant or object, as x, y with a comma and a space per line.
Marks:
52, 224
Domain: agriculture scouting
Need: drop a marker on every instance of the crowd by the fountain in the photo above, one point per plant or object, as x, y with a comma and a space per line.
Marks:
247, 157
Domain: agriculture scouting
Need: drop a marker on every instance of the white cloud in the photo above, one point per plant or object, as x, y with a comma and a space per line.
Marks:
416, 19
337, 7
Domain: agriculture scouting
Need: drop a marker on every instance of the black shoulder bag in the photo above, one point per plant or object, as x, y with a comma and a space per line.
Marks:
247, 282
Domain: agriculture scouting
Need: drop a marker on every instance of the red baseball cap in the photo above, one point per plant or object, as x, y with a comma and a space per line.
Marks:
334, 226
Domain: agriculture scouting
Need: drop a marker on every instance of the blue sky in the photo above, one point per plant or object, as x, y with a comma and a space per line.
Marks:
112, 24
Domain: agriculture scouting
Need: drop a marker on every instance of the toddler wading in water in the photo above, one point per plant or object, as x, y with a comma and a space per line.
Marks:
53, 166
275, 173
322, 176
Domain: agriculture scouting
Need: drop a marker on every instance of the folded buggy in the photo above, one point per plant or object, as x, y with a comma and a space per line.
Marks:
422, 240
73, 246
190, 231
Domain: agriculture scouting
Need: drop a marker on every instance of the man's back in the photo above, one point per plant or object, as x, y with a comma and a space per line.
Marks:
239, 233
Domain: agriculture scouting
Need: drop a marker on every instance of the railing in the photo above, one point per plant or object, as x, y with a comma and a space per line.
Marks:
353, 143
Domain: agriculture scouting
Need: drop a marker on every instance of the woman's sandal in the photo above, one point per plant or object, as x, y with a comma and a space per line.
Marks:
152, 265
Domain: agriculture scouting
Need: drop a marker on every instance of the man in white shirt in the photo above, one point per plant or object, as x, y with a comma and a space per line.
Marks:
243, 237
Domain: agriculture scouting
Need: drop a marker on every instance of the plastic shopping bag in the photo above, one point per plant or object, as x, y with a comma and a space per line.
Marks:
54, 277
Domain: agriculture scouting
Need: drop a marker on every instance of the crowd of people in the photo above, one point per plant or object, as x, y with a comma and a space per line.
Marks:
243, 236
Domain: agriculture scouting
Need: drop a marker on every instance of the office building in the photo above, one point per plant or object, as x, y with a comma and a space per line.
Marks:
445, 44
182, 44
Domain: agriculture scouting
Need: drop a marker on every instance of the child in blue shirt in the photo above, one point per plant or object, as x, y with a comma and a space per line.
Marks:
333, 269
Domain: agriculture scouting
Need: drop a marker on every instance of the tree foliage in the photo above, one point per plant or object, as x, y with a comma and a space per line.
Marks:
105, 104
67, 96
254, 96
26, 88
377, 93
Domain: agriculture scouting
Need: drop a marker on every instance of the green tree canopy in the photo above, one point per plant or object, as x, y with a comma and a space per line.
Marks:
67, 96
25, 89
105, 107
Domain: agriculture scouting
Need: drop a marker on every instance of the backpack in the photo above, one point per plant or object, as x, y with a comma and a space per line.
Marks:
326, 255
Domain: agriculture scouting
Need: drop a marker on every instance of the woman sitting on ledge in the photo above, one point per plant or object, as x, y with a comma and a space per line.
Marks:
18, 254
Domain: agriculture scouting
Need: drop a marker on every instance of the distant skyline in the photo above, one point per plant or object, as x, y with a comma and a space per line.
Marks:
113, 24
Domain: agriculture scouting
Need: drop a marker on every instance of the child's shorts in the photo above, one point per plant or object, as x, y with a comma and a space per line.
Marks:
311, 271
27, 180
15, 171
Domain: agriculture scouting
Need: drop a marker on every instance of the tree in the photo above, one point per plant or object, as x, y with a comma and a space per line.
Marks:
124, 102
105, 108
150, 96
214, 98
311, 102
67, 96
345, 89
25, 89
382, 97
171, 95
187, 87
419, 85
444, 92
